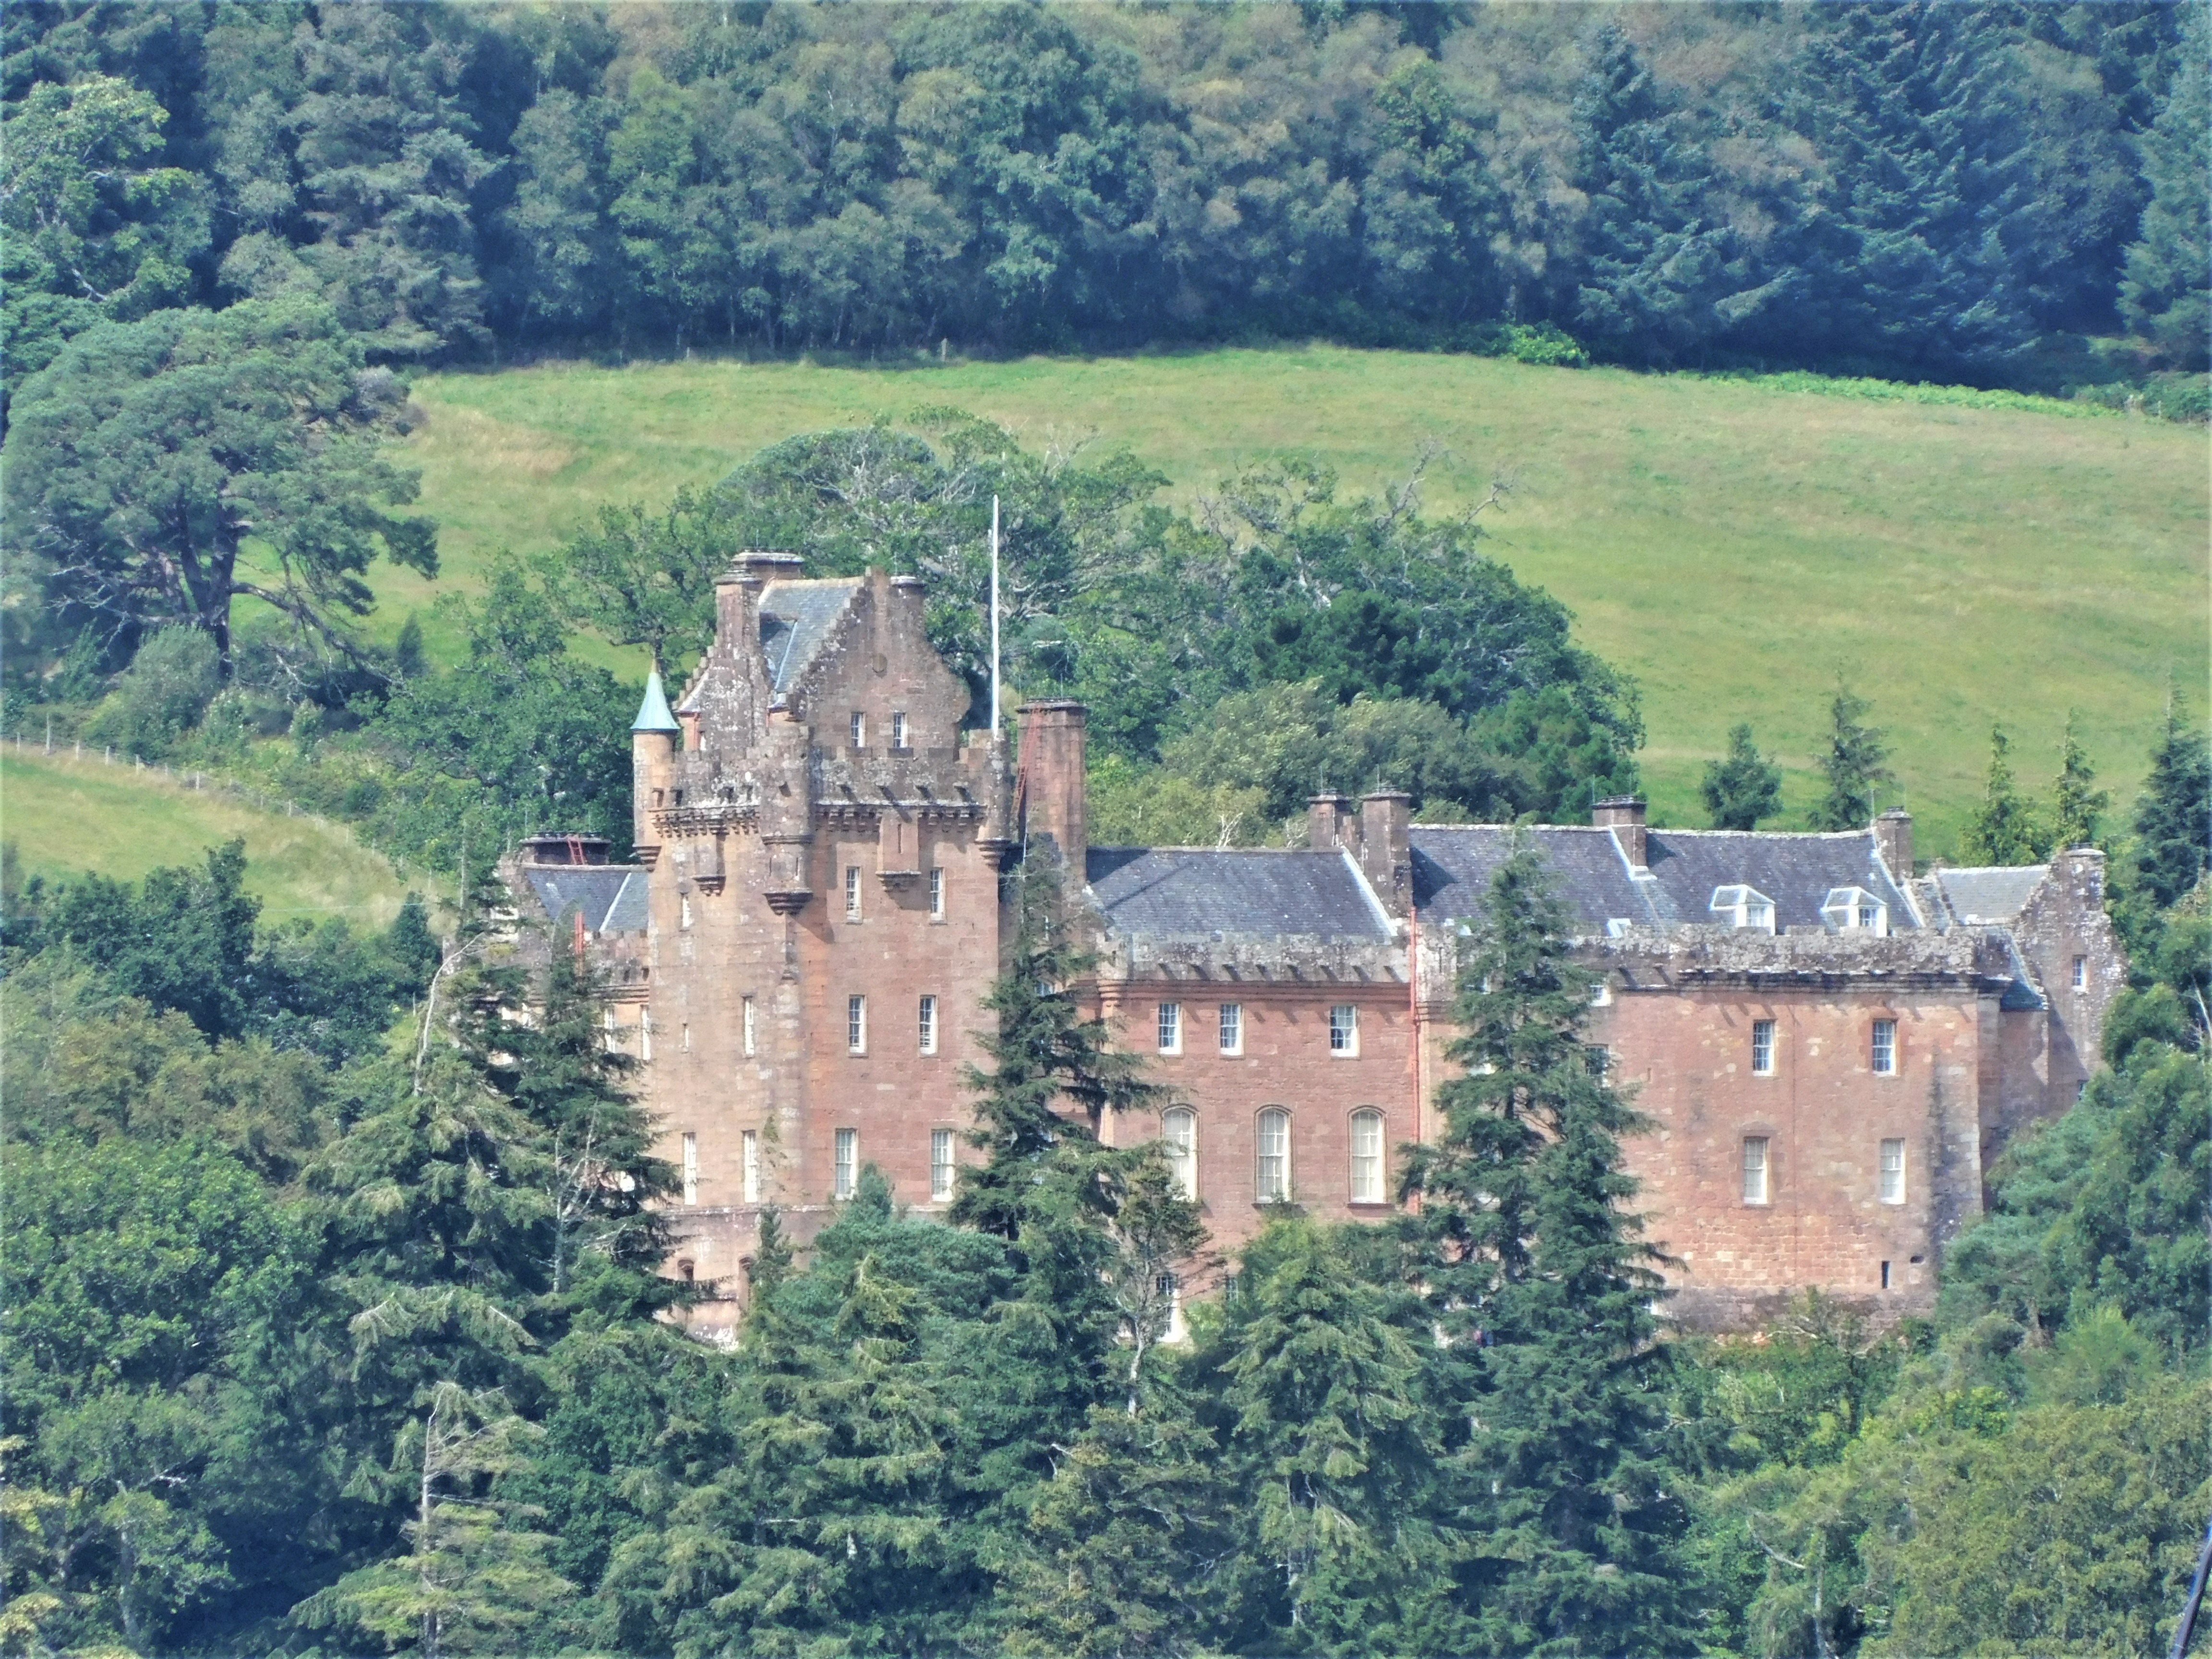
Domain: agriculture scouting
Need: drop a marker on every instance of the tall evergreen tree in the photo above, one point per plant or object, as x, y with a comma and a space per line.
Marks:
1855, 765
2166, 295
2003, 828
2173, 814
1541, 1291
1742, 789
2077, 806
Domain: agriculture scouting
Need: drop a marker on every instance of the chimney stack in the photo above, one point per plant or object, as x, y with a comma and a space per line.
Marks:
1386, 848
1624, 816
1893, 839
1053, 735
1330, 825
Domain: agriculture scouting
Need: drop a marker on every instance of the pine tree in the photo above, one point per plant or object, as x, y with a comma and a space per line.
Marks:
1320, 1386
1541, 1288
2077, 806
2173, 814
1854, 764
1044, 1053
1743, 788
2003, 828
2166, 295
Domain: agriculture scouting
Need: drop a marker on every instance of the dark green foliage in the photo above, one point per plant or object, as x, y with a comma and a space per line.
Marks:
1855, 765
2005, 828
637, 579
183, 940
2077, 806
2173, 814
1742, 789
2167, 294
145, 455
1536, 1276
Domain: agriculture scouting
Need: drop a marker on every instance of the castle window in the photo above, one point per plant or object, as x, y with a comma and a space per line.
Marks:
898, 730
845, 1161
749, 1165
1884, 1054
1600, 1061
1893, 1172
1367, 1157
1855, 910
691, 1168
684, 911
644, 1034
937, 893
940, 1166
1170, 1028
749, 1026
1344, 1030
1738, 905
1754, 1170
2081, 973
1762, 1048
929, 1025
852, 892
1233, 1028
1273, 1183
856, 1024
684, 1041
1179, 1136
859, 730
1884, 1275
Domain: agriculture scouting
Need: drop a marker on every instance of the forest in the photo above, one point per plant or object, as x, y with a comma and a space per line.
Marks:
1965, 191
329, 1323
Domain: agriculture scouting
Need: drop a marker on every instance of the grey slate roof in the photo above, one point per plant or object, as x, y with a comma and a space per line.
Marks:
1206, 892
1989, 896
1452, 869
796, 617
612, 897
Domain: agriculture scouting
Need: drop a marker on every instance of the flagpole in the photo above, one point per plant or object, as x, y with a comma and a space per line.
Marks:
994, 615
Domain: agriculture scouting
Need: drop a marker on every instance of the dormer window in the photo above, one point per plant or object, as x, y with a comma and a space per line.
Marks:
1739, 906
1855, 910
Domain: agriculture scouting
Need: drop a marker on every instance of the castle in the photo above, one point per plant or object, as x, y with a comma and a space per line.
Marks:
1831, 1049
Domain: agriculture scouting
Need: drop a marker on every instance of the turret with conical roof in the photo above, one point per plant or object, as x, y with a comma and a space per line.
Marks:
653, 739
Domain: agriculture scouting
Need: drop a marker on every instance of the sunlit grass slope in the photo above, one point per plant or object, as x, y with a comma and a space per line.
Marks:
67, 817
1732, 544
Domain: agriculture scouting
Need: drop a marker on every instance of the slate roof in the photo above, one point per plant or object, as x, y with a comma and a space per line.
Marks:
1992, 897
796, 617
1206, 892
612, 896
1452, 869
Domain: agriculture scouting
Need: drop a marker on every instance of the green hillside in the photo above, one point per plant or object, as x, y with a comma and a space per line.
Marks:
1732, 544
67, 817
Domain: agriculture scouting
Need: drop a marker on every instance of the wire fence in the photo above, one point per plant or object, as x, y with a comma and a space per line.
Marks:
137, 769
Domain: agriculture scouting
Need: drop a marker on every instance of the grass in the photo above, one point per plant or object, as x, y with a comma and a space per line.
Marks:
1733, 543
67, 817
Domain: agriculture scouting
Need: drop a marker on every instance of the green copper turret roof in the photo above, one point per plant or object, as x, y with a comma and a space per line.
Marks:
653, 713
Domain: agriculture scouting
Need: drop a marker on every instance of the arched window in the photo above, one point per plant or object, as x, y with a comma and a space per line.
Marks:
1273, 1185
1179, 1133
1367, 1182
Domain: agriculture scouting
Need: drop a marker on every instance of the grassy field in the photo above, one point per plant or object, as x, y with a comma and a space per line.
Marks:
1732, 544
66, 817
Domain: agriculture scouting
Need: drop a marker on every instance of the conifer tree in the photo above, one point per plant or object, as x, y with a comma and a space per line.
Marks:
1745, 788
2173, 814
1045, 1054
1319, 1391
2077, 806
2003, 828
1542, 1289
2167, 294
1855, 765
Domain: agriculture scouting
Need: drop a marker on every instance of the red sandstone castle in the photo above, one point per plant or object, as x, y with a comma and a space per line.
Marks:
1831, 1049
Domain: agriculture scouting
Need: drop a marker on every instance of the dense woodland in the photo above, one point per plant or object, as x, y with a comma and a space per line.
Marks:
1949, 190
328, 1325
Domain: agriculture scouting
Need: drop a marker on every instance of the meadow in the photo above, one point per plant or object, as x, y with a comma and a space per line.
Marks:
1733, 543
65, 816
